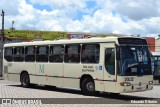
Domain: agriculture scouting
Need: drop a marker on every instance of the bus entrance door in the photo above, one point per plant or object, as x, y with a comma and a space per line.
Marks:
110, 67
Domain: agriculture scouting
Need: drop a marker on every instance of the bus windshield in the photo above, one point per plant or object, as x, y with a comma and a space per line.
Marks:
135, 59
156, 65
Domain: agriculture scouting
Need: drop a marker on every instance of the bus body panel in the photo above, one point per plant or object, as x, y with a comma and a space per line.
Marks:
55, 71
49, 73
14, 77
137, 83
16, 68
72, 75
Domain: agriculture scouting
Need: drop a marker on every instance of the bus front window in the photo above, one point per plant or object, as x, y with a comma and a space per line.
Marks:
135, 60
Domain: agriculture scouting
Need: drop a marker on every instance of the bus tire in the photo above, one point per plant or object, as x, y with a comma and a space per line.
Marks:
88, 86
115, 94
50, 87
25, 81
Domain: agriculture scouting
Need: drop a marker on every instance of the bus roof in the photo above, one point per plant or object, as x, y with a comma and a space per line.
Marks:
155, 53
70, 41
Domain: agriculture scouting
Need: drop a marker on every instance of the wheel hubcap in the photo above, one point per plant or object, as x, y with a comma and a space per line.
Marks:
25, 80
90, 86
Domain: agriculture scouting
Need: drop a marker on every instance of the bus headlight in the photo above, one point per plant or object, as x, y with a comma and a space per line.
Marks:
150, 82
125, 84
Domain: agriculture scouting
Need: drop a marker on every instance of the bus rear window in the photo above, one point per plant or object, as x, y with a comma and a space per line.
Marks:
8, 54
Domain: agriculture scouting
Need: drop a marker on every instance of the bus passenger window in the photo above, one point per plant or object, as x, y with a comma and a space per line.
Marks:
110, 60
19, 54
56, 53
8, 54
30, 54
42, 54
72, 53
90, 53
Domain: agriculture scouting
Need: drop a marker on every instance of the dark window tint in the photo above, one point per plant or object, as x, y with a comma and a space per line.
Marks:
90, 53
72, 53
30, 54
56, 53
8, 54
42, 54
110, 60
19, 54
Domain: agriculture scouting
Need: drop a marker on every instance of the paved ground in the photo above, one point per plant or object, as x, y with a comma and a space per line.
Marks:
68, 97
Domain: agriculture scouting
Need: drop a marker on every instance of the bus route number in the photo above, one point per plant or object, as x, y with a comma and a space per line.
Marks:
129, 79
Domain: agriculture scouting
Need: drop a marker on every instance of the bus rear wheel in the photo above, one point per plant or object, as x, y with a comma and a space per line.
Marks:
25, 81
88, 86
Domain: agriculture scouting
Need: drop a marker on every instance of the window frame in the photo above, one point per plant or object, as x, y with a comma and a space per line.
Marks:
12, 56
42, 57
114, 67
72, 59
18, 57
32, 56
51, 55
83, 50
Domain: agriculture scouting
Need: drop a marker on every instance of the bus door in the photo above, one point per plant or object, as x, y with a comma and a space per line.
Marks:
110, 67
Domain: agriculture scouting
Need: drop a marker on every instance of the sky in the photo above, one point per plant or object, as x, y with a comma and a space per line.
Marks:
129, 17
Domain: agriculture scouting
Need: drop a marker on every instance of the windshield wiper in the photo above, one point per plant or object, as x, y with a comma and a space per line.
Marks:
134, 64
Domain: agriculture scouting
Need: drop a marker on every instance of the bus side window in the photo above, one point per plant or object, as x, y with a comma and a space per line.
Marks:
110, 60
30, 54
72, 53
56, 53
42, 54
8, 54
19, 54
90, 53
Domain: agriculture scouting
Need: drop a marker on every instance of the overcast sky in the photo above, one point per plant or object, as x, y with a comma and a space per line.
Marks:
95, 16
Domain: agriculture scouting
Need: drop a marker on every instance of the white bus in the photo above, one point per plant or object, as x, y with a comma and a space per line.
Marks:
97, 64
156, 66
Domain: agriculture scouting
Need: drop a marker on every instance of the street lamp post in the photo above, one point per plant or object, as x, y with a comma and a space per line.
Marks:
2, 32
1, 45
12, 25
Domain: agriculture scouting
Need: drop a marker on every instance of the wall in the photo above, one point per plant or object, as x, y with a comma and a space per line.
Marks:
151, 43
157, 47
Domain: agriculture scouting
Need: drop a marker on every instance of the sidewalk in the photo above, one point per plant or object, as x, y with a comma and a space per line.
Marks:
1, 78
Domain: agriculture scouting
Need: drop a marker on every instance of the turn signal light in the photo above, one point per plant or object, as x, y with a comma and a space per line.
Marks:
150, 82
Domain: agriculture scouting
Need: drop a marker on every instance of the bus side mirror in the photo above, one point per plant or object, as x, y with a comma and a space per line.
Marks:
117, 52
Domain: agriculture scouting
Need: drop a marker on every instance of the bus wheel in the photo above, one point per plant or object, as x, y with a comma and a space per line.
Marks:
114, 94
88, 86
25, 82
50, 87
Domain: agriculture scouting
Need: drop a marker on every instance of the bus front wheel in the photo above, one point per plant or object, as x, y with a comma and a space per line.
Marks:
88, 86
25, 82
